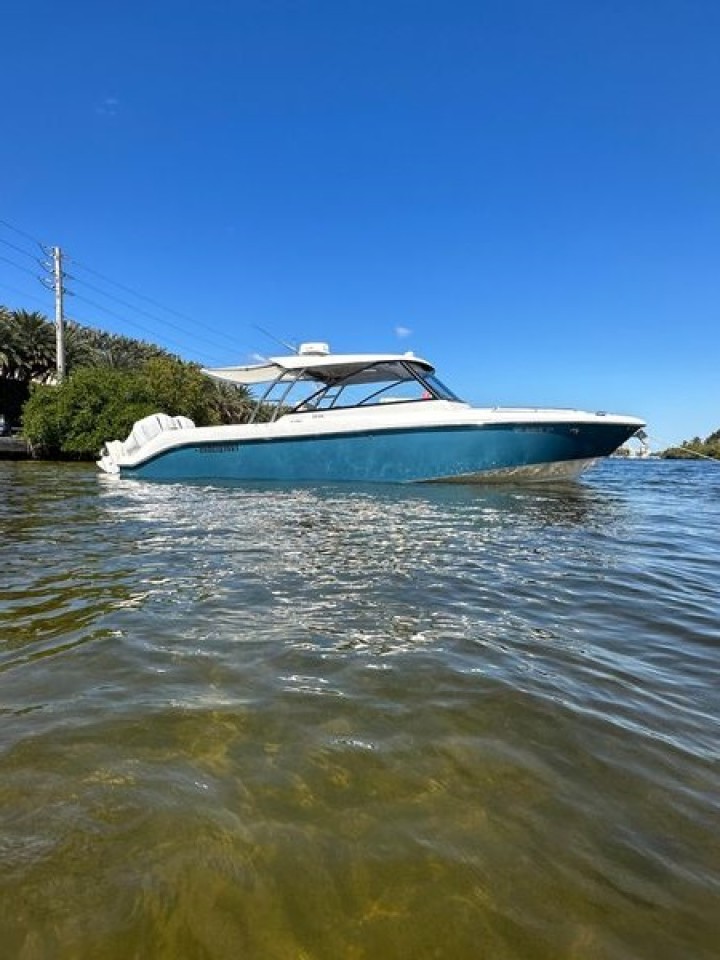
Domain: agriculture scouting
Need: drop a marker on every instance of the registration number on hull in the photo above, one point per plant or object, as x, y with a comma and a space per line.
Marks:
223, 448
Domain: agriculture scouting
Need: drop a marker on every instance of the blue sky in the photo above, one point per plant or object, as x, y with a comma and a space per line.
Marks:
526, 193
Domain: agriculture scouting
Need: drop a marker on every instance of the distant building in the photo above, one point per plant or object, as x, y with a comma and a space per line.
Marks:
636, 448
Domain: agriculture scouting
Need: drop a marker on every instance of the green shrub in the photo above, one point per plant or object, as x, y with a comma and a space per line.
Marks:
90, 407
96, 404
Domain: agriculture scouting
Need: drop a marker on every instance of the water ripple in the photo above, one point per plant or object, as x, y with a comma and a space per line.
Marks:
326, 721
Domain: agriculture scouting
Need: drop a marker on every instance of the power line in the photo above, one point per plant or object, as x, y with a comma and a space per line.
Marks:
22, 233
22, 293
18, 266
141, 296
82, 321
136, 309
145, 313
19, 249
187, 355
130, 323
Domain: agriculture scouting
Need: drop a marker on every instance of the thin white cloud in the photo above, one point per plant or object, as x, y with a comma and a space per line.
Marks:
402, 332
108, 107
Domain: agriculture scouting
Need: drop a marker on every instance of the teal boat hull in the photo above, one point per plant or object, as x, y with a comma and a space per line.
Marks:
466, 453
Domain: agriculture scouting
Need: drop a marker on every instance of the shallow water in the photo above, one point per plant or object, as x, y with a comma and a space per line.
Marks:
297, 722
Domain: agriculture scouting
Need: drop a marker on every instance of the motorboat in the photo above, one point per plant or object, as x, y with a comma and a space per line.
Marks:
380, 418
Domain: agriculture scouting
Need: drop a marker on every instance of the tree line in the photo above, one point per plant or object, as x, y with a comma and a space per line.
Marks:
111, 381
690, 449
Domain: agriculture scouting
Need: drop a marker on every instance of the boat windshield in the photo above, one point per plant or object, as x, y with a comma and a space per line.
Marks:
379, 383
438, 388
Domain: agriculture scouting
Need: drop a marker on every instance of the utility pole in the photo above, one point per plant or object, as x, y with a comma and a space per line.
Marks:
59, 318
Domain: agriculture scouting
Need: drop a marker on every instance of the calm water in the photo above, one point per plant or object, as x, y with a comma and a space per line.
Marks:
329, 723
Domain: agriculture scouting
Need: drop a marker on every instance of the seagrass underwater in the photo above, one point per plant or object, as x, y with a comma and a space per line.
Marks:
273, 721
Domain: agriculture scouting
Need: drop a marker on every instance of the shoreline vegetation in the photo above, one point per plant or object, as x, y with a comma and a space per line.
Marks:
111, 382
114, 380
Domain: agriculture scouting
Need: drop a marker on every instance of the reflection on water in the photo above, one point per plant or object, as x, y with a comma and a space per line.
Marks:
322, 722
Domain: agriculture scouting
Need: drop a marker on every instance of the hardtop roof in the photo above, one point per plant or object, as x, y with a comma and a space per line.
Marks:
330, 368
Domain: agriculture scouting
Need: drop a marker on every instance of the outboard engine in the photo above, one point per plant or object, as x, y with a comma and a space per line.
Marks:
143, 431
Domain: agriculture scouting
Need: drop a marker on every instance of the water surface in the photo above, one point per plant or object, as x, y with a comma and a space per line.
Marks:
339, 722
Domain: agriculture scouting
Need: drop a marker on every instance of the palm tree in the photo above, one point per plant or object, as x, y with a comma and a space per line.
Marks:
80, 348
8, 359
232, 404
27, 346
27, 352
117, 351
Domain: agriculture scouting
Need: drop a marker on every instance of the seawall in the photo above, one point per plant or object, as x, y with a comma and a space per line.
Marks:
14, 448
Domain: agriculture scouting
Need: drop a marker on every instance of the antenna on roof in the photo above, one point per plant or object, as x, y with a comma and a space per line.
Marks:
293, 348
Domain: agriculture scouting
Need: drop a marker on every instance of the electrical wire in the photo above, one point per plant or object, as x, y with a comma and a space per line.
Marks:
123, 319
18, 266
145, 313
104, 293
188, 356
23, 233
22, 293
155, 303
14, 246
